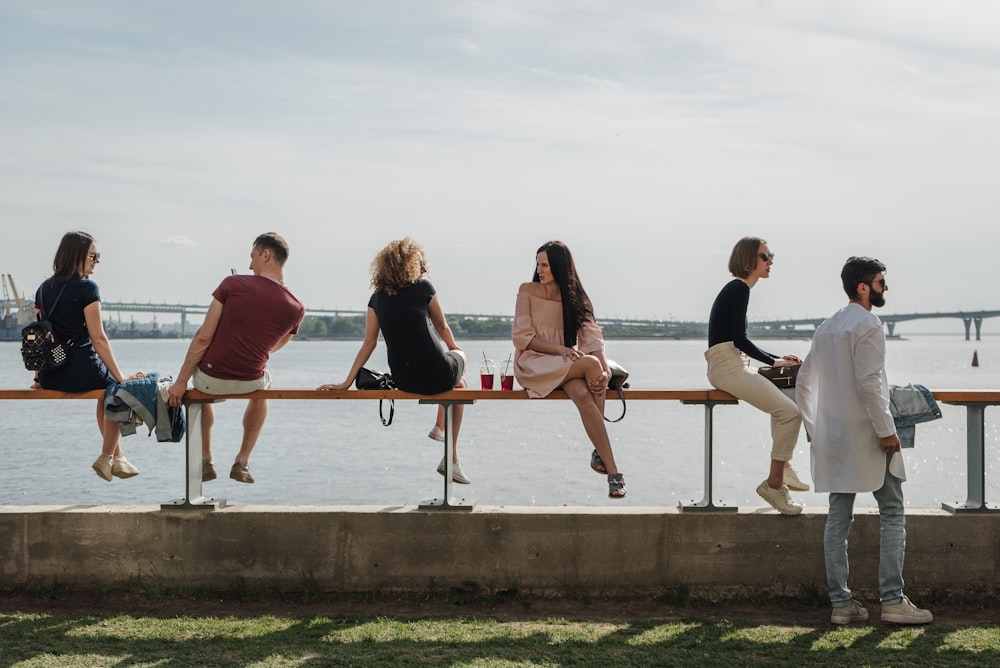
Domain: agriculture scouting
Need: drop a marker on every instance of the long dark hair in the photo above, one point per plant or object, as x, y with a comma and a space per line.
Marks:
576, 306
72, 252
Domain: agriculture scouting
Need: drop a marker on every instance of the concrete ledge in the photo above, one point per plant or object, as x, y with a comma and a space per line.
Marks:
550, 549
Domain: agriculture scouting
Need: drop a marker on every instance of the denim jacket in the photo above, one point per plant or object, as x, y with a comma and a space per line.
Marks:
143, 401
909, 405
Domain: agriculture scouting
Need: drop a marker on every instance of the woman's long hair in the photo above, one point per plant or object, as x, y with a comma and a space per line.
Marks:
70, 256
576, 306
397, 265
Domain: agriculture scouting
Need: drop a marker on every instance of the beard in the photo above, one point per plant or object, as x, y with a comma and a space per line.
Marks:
877, 298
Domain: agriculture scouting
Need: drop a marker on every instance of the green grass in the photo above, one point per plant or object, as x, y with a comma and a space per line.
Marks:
504, 634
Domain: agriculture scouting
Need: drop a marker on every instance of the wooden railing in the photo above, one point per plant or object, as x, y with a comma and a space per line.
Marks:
975, 402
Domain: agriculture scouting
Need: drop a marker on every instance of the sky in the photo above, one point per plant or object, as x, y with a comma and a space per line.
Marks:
647, 135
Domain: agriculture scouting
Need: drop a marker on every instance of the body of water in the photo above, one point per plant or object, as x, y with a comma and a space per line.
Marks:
517, 453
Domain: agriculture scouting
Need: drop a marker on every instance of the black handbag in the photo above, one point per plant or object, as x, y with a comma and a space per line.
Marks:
782, 376
373, 380
40, 349
617, 382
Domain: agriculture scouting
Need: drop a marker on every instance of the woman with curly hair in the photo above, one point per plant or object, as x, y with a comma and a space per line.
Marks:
71, 301
558, 344
421, 349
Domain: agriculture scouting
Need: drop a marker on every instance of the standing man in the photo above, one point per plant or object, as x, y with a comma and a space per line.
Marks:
843, 394
250, 317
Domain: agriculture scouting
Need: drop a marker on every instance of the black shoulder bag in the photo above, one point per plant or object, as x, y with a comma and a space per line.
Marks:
373, 380
618, 382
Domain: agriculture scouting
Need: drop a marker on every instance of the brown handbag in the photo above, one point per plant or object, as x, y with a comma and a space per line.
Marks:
782, 376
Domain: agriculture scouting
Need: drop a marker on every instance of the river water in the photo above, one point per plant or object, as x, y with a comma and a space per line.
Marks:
517, 453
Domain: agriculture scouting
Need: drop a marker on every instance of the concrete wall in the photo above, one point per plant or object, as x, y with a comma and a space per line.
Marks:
557, 550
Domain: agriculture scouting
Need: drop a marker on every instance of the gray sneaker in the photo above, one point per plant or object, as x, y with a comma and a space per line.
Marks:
905, 612
779, 499
123, 468
855, 612
793, 482
102, 466
241, 473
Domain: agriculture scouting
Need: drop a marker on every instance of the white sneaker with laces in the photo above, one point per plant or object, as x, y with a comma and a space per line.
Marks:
905, 612
102, 466
457, 474
855, 612
779, 499
436, 434
793, 482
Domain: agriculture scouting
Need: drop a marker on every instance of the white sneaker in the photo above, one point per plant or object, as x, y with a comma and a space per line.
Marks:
436, 434
102, 466
905, 612
855, 612
793, 482
457, 474
779, 499
123, 468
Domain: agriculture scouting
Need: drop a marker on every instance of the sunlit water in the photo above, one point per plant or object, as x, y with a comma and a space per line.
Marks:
517, 453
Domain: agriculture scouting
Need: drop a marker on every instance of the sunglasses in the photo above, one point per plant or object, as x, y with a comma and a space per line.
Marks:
881, 282
766, 257
96, 257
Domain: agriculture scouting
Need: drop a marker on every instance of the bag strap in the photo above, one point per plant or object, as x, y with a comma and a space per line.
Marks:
41, 312
621, 395
392, 411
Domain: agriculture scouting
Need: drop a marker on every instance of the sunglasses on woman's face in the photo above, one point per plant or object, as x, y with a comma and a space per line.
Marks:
96, 257
766, 257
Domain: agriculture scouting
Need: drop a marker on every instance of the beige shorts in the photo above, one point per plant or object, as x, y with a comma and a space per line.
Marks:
209, 385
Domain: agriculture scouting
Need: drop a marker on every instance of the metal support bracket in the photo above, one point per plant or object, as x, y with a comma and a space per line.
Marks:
448, 501
193, 497
975, 445
706, 504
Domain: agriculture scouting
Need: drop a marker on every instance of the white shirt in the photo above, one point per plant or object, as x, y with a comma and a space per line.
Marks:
843, 394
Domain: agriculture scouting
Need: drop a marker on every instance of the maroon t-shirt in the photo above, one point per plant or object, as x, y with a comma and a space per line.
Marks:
257, 313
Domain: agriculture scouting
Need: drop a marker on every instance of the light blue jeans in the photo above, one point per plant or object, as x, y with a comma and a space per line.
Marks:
892, 542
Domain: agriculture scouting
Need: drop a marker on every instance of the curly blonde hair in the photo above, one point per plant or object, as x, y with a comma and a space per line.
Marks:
397, 265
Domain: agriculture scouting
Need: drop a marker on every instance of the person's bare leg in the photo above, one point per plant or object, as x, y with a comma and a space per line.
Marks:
253, 423
110, 435
457, 413
776, 476
593, 420
207, 421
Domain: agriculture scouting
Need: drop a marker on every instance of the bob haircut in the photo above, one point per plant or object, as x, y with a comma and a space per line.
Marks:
744, 256
70, 256
858, 270
397, 265
274, 243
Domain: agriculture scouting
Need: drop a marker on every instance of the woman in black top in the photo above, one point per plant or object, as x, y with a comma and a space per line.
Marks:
72, 303
421, 349
729, 370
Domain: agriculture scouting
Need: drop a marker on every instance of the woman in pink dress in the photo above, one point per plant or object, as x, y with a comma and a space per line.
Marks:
559, 344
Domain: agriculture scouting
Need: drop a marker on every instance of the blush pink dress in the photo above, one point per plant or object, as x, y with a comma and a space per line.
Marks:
540, 373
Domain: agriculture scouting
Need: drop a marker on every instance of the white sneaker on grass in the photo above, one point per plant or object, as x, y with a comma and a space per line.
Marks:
855, 612
905, 612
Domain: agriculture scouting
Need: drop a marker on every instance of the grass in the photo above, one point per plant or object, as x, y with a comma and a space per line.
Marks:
120, 630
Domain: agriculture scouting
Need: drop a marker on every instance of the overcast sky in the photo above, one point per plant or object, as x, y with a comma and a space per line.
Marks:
649, 136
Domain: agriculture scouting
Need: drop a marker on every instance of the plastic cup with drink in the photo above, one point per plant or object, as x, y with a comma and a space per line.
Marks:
487, 372
507, 374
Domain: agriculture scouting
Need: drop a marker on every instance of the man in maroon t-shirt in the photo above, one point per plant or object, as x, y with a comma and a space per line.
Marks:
250, 317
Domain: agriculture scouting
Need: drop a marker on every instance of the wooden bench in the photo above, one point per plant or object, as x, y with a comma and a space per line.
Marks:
975, 402
193, 399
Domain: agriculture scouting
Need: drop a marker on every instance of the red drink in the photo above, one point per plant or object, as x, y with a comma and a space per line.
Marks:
487, 380
506, 382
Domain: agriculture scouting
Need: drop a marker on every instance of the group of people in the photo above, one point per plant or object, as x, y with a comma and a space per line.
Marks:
842, 399
842, 395
250, 317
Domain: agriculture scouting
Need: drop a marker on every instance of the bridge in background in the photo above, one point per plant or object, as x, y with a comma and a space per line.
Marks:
968, 318
654, 328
